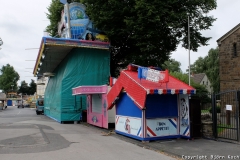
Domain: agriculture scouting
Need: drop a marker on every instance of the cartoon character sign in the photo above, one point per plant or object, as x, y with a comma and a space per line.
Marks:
127, 126
184, 112
94, 119
90, 37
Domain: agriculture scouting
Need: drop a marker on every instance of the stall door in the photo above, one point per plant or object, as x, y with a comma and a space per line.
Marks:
9, 103
195, 118
95, 117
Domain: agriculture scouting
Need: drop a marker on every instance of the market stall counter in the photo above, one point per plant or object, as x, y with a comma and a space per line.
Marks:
97, 113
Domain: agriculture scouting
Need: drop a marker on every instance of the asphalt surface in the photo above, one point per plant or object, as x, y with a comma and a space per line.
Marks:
200, 148
25, 135
33, 134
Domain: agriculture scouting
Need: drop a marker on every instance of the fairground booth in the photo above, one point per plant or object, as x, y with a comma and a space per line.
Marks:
80, 57
150, 104
97, 113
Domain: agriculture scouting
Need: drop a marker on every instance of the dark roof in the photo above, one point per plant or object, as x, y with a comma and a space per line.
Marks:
197, 78
56, 49
228, 33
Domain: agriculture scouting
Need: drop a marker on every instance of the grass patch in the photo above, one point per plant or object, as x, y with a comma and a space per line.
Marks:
222, 127
205, 111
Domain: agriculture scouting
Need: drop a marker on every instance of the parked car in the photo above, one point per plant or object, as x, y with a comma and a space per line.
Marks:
26, 105
40, 106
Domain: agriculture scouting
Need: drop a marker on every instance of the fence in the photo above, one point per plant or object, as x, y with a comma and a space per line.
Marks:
220, 115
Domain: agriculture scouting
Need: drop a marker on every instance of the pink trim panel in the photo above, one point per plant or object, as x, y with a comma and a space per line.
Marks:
89, 90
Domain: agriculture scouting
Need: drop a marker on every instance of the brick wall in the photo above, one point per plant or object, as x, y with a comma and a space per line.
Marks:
229, 64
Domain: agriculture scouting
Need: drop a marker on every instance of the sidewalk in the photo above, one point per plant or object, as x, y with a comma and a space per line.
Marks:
183, 148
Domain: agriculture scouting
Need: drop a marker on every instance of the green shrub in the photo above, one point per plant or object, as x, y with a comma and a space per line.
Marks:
218, 109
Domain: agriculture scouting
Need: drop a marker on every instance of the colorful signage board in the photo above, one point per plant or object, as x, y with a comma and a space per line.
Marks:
153, 75
129, 125
89, 90
161, 127
184, 115
75, 24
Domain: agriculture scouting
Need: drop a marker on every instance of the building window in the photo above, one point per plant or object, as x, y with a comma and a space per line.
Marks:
234, 49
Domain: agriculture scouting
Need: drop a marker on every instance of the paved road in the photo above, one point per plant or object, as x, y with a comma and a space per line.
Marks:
25, 135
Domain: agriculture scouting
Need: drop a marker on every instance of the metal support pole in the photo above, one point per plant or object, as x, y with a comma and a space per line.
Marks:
237, 115
189, 70
214, 116
22, 100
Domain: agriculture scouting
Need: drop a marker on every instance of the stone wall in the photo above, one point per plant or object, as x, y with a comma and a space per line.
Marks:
229, 64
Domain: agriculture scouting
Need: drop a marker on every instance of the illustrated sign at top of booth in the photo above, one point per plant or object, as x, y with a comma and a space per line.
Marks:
75, 24
153, 75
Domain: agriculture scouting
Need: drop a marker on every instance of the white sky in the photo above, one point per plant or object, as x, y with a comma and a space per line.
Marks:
227, 14
22, 24
21, 27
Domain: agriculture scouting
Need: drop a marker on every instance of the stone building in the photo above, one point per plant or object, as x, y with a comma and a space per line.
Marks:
229, 58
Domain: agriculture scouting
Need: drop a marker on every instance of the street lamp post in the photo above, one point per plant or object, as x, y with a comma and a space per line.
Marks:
22, 99
189, 66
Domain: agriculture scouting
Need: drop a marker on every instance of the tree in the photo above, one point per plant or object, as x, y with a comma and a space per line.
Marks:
146, 33
32, 87
210, 66
201, 91
199, 66
172, 65
8, 78
23, 88
143, 32
212, 69
54, 15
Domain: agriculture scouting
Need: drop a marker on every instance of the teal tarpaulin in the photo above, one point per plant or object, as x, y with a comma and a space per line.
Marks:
82, 66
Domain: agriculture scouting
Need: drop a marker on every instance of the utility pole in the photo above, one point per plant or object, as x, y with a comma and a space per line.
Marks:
189, 70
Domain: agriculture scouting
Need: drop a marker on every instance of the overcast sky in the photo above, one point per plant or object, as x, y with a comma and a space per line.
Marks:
22, 24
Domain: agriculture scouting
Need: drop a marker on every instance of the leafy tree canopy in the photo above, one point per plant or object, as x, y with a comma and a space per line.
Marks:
199, 66
145, 32
210, 66
54, 15
172, 65
23, 88
8, 78
201, 91
30, 89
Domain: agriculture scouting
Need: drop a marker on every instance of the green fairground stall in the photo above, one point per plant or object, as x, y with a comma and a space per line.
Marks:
80, 57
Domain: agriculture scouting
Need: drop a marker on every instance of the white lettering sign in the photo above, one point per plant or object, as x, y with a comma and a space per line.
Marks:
228, 107
154, 75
